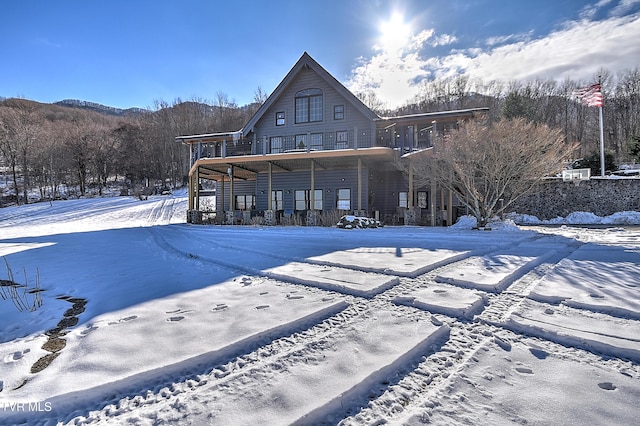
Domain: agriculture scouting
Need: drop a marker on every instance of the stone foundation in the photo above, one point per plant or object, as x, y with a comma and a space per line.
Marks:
312, 218
270, 217
412, 216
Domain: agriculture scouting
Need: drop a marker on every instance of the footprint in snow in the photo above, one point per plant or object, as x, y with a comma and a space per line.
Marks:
88, 330
125, 319
16, 356
539, 353
175, 319
506, 346
294, 297
220, 307
524, 370
607, 386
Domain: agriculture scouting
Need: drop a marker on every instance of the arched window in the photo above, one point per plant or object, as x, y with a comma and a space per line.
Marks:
309, 106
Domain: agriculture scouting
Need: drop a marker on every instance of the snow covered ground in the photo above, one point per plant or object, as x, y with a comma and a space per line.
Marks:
148, 320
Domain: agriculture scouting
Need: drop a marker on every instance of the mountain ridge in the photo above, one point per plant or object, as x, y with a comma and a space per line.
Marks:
104, 109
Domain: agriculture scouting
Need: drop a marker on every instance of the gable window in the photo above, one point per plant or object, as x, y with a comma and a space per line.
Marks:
342, 139
316, 141
309, 106
276, 144
280, 118
338, 112
344, 199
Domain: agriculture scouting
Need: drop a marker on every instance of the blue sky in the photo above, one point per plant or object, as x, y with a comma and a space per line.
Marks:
130, 53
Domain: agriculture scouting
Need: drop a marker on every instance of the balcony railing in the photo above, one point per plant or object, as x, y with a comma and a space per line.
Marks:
403, 139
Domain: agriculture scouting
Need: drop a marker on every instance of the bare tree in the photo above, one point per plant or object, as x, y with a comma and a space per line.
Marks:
22, 128
490, 167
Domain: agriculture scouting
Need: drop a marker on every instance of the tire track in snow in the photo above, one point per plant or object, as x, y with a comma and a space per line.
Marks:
420, 388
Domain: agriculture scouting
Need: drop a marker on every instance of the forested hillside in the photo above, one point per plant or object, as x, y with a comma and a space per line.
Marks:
77, 147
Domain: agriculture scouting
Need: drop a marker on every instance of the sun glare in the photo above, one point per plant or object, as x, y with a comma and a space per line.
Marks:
395, 34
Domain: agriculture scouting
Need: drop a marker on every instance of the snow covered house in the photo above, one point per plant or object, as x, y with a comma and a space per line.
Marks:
313, 147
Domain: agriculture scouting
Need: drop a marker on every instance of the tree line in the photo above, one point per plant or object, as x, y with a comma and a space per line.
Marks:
60, 151
56, 150
544, 101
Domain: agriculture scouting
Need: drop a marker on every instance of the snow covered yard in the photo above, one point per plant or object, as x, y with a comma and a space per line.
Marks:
189, 324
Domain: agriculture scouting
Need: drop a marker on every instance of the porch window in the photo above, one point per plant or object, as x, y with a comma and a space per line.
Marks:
276, 200
422, 199
303, 199
245, 202
280, 118
308, 105
342, 139
338, 112
403, 199
316, 141
276, 144
344, 199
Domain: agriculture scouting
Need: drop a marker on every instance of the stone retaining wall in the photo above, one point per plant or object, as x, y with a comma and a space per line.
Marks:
601, 197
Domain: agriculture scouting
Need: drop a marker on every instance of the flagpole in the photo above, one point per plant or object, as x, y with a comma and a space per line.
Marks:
601, 144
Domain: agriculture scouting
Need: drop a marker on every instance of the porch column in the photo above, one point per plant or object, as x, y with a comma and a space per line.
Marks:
197, 184
269, 197
192, 179
450, 209
442, 203
231, 189
359, 186
269, 214
434, 190
312, 195
410, 195
220, 206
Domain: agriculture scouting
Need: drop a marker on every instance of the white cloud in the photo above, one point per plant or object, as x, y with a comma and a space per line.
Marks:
577, 51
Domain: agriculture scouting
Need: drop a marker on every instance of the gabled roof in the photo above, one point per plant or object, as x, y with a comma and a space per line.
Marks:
307, 62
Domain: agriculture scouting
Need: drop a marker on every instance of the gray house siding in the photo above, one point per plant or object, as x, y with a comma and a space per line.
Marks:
266, 127
329, 181
239, 188
385, 188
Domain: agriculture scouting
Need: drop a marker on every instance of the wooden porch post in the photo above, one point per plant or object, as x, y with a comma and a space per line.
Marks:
450, 209
410, 200
312, 195
197, 191
359, 186
192, 179
434, 190
269, 197
220, 208
231, 206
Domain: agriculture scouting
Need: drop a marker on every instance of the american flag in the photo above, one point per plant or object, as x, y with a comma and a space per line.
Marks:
591, 95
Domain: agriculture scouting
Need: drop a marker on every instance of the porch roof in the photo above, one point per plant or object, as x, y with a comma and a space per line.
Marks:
210, 137
246, 167
429, 117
